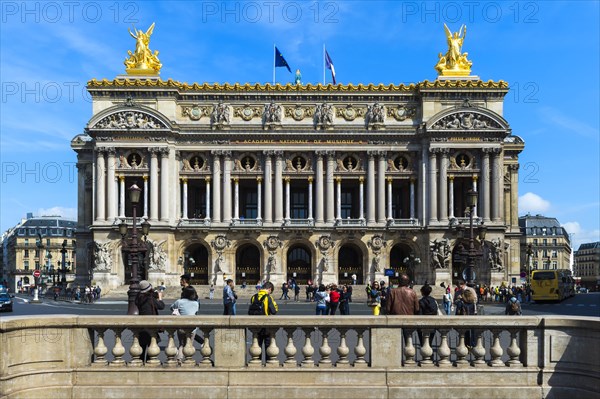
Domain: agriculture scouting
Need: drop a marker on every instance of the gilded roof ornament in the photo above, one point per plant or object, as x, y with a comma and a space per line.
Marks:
454, 63
143, 61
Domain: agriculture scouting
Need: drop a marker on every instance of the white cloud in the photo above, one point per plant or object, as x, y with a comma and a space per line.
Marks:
579, 235
532, 203
67, 213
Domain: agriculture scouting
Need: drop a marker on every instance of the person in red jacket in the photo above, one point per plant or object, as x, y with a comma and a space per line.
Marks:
334, 299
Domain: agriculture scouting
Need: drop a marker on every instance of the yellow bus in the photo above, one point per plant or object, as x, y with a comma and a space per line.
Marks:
552, 285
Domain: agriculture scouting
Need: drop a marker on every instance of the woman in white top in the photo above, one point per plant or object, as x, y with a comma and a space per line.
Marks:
186, 306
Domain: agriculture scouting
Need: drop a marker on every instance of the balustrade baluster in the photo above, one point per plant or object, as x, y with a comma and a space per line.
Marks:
118, 350
189, 350
325, 349
478, 351
290, 349
100, 350
272, 350
153, 351
255, 350
513, 350
496, 350
307, 349
343, 350
135, 350
444, 350
171, 350
360, 350
409, 349
426, 350
461, 349
205, 350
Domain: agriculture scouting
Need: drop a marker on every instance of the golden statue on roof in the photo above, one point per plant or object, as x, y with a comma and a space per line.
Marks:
454, 63
143, 61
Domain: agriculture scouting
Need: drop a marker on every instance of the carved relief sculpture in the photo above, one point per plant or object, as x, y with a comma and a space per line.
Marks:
324, 117
157, 255
129, 120
219, 119
102, 256
272, 116
375, 117
440, 254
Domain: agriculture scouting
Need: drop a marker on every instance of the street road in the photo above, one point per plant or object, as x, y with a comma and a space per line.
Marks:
580, 305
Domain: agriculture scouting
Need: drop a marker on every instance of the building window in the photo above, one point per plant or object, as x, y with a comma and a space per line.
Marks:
26, 242
37, 264
535, 264
32, 232
535, 241
47, 241
299, 203
544, 242
554, 242
26, 265
26, 253
555, 265
249, 205
554, 254
37, 253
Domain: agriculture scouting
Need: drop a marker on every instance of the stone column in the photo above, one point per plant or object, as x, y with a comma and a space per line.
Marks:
443, 212
371, 187
389, 198
432, 192
319, 187
100, 184
451, 196
497, 185
216, 189
338, 198
381, 186
287, 199
122, 196
479, 199
259, 198
310, 198
164, 184
268, 216
236, 198
184, 194
412, 197
484, 202
153, 183
361, 193
279, 187
514, 194
330, 216
146, 193
227, 187
111, 188
207, 210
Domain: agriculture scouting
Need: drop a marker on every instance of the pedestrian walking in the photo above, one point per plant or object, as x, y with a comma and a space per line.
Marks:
228, 298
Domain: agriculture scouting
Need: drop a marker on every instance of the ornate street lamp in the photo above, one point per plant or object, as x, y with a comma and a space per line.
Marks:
62, 270
529, 263
411, 262
469, 271
134, 248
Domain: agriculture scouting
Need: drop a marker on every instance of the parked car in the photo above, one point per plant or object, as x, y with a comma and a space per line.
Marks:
6, 302
583, 290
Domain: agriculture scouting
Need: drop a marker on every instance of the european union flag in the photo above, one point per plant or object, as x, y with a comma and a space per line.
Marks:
280, 61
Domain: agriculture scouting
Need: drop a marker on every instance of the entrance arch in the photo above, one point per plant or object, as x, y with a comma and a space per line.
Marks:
350, 261
402, 262
247, 264
299, 261
196, 264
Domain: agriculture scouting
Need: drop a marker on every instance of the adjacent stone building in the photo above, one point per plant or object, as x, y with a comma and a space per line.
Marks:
587, 264
307, 181
36, 243
550, 243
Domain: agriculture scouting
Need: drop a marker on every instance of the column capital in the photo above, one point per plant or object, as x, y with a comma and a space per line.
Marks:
389, 179
164, 151
278, 154
413, 180
184, 180
216, 153
381, 153
330, 153
475, 177
207, 179
235, 179
451, 177
513, 167
372, 153
111, 150
361, 179
101, 150
259, 179
286, 179
145, 177
444, 151
122, 177
487, 150
496, 151
153, 151
310, 179
338, 179
433, 151
268, 153
226, 154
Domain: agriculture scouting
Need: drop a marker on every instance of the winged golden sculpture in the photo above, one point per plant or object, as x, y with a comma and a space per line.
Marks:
454, 63
143, 61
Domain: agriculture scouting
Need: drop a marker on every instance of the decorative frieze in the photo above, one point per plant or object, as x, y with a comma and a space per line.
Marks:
299, 112
402, 112
466, 121
196, 112
129, 120
247, 112
350, 112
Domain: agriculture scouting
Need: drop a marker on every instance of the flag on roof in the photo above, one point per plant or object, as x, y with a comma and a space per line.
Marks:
329, 65
280, 61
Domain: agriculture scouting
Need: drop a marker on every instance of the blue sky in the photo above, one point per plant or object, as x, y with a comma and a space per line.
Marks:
548, 52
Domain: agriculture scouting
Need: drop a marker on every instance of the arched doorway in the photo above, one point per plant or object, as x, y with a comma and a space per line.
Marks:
247, 264
404, 260
196, 264
350, 261
299, 262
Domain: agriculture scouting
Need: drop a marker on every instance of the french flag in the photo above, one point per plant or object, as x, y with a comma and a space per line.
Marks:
329, 65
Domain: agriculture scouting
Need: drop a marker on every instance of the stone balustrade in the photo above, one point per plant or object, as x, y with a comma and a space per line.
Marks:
92, 356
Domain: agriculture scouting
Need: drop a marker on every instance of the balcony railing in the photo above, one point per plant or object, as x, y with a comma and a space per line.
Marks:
403, 222
351, 222
397, 355
247, 222
299, 222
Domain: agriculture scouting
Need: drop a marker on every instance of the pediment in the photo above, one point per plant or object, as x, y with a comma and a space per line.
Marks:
467, 119
127, 118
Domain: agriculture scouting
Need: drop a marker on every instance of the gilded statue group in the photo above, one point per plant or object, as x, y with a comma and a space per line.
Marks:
143, 60
454, 62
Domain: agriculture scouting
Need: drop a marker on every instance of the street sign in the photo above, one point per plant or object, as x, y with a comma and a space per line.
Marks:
37, 273
389, 272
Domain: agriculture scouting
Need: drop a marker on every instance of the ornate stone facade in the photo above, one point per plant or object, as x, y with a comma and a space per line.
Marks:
270, 182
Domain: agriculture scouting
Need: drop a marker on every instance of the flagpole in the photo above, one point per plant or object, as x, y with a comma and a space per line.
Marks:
323, 63
273, 63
